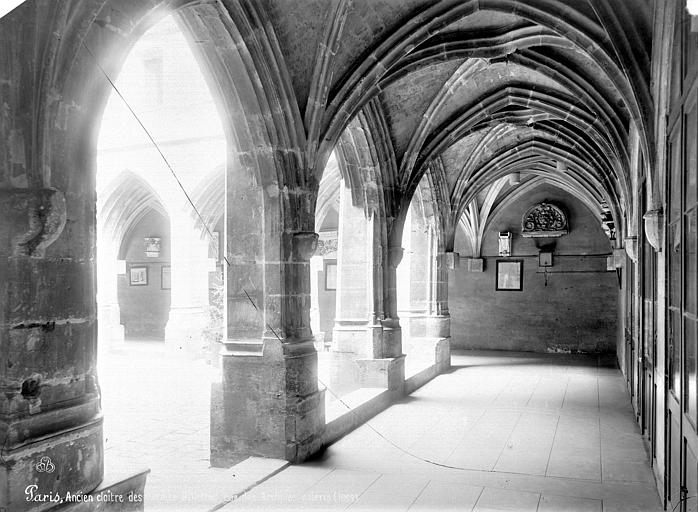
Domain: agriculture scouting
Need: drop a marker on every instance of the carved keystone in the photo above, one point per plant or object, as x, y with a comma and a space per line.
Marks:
304, 245
31, 220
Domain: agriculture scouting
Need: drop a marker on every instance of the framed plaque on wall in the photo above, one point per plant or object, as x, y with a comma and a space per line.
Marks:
509, 275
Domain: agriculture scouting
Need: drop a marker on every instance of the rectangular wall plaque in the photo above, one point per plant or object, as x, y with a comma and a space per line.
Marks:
509, 275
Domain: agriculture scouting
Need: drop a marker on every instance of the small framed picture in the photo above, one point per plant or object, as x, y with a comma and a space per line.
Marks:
330, 275
138, 276
509, 275
165, 277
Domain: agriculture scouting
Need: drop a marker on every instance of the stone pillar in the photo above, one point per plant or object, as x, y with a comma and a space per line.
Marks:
304, 402
354, 274
49, 405
414, 276
316, 266
392, 332
403, 282
438, 323
189, 284
268, 402
111, 332
387, 366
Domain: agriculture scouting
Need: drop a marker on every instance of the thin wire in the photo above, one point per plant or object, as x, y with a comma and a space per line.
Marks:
381, 435
254, 305
152, 140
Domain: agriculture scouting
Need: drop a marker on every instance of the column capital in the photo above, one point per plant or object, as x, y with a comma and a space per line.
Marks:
631, 247
654, 228
448, 259
304, 245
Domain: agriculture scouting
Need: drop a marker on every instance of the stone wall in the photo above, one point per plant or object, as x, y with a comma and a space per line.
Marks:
575, 309
145, 308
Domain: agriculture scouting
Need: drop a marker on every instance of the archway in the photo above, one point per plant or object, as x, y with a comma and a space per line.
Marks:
131, 214
161, 153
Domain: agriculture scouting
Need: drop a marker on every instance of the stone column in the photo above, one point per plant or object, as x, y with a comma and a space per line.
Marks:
392, 332
387, 366
49, 405
111, 332
354, 273
189, 284
402, 286
304, 402
438, 322
268, 402
316, 265
414, 276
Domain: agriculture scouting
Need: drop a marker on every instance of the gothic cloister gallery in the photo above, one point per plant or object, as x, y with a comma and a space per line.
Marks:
349, 254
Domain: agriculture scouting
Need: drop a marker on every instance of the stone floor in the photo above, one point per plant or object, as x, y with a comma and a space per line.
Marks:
156, 415
502, 431
156, 406
338, 372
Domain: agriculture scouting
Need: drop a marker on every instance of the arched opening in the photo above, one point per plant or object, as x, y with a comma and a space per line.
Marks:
143, 295
498, 104
144, 300
341, 283
416, 280
160, 190
323, 277
542, 292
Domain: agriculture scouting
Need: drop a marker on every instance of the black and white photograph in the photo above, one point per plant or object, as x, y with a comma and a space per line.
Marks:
348, 255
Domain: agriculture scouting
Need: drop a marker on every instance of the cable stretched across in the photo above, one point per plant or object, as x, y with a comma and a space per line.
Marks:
153, 142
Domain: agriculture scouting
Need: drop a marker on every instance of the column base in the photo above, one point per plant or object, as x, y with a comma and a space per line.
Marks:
413, 324
73, 461
438, 326
268, 404
442, 354
184, 330
349, 336
383, 373
392, 338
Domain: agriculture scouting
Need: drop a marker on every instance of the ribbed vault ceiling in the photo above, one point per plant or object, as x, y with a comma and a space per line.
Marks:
482, 89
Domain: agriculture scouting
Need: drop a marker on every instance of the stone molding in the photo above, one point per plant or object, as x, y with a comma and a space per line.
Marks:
631, 247
36, 219
654, 228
